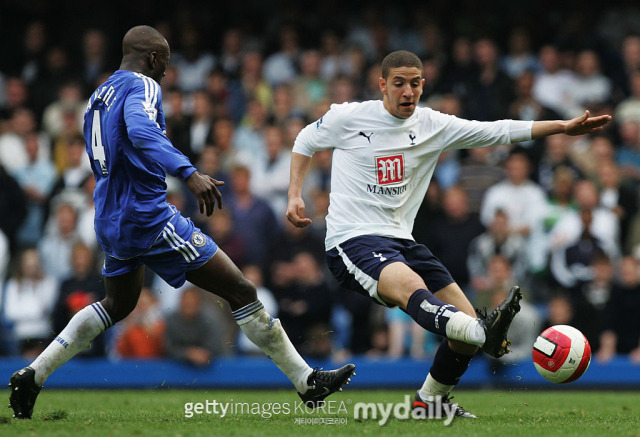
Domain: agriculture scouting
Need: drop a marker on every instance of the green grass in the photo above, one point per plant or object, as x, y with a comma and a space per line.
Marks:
162, 413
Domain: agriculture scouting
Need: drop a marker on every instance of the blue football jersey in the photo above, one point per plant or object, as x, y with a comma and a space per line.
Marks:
124, 131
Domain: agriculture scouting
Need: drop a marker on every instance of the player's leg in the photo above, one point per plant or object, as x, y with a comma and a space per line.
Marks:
122, 292
399, 285
222, 277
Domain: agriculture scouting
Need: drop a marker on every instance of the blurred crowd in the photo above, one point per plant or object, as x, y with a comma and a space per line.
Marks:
559, 216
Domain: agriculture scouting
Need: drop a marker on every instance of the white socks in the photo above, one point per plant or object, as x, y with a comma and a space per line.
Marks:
86, 325
465, 328
267, 333
431, 387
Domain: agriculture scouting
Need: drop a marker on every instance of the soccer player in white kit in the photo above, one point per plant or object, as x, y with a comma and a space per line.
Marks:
384, 155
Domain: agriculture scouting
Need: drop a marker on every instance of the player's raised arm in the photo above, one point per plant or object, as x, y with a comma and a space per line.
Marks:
577, 126
296, 208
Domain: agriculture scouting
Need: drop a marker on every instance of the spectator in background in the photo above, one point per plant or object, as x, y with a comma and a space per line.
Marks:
13, 152
201, 122
499, 277
553, 84
559, 311
220, 227
56, 246
248, 140
478, 172
589, 153
556, 155
283, 104
526, 107
405, 334
590, 85
519, 58
69, 105
629, 108
569, 265
491, 90
305, 307
496, 240
178, 122
270, 177
461, 70
308, 87
222, 134
36, 180
233, 44
141, 333
628, 154
95, 53
520, 198
621, 328
281, 66
591, 297
603, 223
77, 168
253, 218
192, 63
457, 224
559, 204
210, 164
29, 298
192, 333
83, 287
617, 195
253, 84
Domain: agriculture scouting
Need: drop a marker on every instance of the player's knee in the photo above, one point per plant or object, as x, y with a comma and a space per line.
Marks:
243, 293
117, 310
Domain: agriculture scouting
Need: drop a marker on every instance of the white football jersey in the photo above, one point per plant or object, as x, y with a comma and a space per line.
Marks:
382, 165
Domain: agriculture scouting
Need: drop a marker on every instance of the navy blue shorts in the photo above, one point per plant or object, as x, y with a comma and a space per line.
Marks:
180, 248
357, 263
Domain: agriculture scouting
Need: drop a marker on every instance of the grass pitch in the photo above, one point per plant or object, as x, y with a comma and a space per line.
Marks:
162, 413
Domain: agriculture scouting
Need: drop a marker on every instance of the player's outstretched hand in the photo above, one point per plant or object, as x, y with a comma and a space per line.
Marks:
586, 124
295, 213
205, 189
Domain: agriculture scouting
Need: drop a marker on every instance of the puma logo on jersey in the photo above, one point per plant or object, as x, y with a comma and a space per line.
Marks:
379, 255
368, 137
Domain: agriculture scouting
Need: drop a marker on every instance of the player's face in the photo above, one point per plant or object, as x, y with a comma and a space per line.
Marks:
402, 89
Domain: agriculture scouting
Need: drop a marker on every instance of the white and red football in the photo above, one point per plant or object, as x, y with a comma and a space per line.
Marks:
561, 354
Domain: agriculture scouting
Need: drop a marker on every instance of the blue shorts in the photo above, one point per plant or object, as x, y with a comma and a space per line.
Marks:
180, 248
357, 263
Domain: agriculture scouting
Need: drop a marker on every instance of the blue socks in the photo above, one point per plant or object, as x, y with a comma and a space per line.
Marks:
429, 312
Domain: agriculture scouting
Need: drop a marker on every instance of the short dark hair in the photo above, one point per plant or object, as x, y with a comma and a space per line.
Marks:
400, 58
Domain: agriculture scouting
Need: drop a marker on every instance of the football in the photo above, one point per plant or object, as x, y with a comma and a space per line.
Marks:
561, 354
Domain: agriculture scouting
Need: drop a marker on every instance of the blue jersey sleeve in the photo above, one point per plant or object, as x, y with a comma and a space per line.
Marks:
143, 119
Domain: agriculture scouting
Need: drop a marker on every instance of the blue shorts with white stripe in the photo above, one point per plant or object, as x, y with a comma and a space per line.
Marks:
180, 247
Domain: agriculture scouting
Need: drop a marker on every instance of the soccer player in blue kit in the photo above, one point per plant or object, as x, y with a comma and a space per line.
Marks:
130, 154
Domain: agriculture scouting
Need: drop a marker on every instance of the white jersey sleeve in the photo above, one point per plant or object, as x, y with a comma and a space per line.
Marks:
458, 133
322, 134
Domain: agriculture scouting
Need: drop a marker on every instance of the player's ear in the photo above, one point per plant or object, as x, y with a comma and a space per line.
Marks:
153, 59
383, 85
